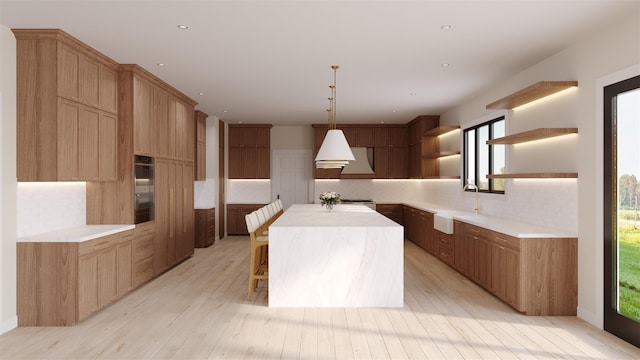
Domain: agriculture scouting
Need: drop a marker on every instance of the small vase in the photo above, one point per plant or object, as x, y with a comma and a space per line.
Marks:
329, 207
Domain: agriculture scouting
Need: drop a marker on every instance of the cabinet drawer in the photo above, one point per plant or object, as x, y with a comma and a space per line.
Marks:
142, 271
506, 241
477, 231
142, 248
101, 243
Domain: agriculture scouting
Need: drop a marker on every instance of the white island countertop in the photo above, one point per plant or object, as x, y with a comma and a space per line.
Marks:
351, 256
77, 234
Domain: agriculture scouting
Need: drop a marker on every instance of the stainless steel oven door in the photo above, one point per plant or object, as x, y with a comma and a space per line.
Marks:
143, 207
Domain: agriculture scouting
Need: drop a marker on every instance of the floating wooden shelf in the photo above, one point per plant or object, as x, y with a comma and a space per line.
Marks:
440, 130
532, 135
531, 93
534, 176
440, 154
438, 177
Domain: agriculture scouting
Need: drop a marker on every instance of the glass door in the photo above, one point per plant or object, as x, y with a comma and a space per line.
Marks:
622, 209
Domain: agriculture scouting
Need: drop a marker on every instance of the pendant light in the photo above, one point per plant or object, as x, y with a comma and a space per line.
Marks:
334, 152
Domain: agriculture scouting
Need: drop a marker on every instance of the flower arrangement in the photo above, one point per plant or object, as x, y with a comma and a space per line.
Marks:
329, 199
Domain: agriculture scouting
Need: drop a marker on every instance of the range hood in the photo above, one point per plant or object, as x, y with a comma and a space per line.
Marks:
363, 164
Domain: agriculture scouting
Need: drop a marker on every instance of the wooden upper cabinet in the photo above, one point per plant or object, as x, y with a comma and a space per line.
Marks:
201, 144
143, 129
65, 92
250, 151
108, 89
160, 113
86, 80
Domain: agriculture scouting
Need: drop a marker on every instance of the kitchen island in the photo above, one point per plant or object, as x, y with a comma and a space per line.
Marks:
348, 257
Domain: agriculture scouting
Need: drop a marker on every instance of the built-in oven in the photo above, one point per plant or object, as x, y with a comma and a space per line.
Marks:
144, 189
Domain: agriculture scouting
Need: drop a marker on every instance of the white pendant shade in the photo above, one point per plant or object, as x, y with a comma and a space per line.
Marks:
334, 151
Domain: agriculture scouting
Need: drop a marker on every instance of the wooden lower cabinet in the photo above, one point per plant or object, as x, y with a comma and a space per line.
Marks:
143, 253
62, 283
419, 229
236, 224
536, 276
205, 227
392, 211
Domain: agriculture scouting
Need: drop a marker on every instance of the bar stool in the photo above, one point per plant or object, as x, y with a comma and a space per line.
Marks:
259, 265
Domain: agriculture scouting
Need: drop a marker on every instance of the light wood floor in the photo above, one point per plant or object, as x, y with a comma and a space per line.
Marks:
198, 310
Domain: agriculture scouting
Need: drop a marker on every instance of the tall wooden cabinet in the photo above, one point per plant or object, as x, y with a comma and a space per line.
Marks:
67, 109
174, 240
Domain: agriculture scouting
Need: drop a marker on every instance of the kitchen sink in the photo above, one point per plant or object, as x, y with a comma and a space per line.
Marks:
443, 222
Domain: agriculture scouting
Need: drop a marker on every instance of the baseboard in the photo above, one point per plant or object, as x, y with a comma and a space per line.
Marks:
9, 324
591, 317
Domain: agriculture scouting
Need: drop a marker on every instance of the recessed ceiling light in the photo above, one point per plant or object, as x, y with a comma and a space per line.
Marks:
161, 64
446, 65
239, 122
201, 94
381, 122
445, 27
412, 94
183, 27
224, 111
393, 111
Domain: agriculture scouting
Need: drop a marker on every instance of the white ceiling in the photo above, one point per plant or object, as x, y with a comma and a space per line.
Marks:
269, 61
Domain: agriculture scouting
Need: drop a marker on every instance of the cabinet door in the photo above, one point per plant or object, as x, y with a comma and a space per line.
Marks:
178, 210
108, 89
460, 248
188, 216
496, 276
201, 161
381, 136
107, 277
249, 162
67, 135
164, 193
398, 162
398, 136
483, 262
87, 285
88, 130
108, 147
89, 74
235, 162
512, 278
143, 130
263, 163
160, 114
123, 269
68, 72
382, 159
181, 130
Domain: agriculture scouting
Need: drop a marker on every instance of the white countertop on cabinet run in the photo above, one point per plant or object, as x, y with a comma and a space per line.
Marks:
77, 234
351, 256
509, 227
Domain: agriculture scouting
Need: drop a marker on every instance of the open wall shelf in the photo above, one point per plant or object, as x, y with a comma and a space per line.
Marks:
537, 134
440, 154
441, 130
534, 176
531, 93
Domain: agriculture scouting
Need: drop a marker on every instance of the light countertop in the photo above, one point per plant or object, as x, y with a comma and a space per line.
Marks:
342, 215
505, 226
77, 234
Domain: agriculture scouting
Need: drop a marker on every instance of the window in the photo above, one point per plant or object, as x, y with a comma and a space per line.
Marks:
481, 159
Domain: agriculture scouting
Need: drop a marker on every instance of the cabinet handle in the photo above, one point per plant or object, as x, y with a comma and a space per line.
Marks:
171, 230
184, 213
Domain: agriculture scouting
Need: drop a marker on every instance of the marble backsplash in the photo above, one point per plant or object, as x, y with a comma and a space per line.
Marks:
50, 206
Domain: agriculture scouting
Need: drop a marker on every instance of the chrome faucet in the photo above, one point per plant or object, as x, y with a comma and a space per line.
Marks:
469, 185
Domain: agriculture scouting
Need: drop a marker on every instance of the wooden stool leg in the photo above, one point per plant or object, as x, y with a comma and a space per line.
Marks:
252, 270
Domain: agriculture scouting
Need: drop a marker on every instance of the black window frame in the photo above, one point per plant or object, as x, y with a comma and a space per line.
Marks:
474, 179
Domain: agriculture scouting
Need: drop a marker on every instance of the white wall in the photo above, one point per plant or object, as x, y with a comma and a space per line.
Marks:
603, 52
8, 191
